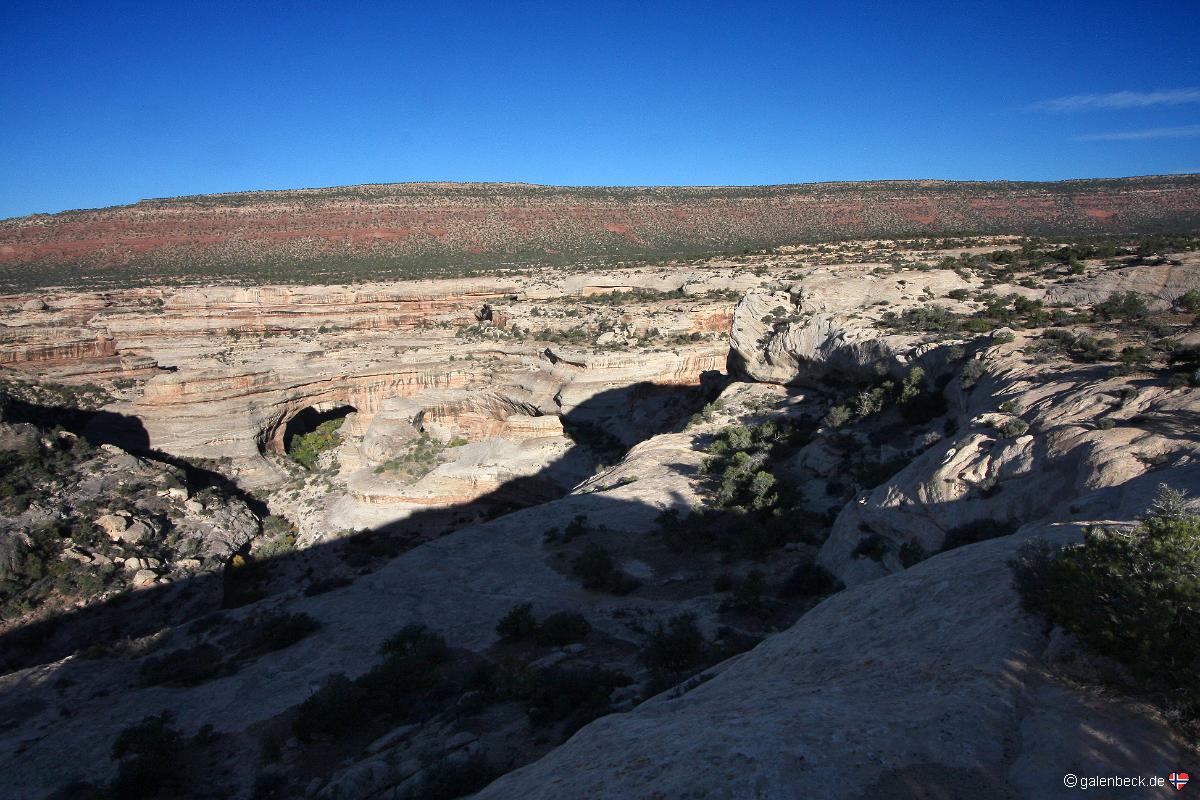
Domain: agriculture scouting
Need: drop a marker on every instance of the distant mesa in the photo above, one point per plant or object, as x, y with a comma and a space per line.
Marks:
428, 229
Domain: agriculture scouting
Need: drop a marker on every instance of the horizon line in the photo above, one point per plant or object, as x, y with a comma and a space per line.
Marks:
436, 183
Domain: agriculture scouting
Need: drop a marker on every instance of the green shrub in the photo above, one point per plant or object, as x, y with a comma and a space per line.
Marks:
810, 580
749, 595
578, 693
188, 666
1011, 427
1133, 596
422, 457
738, 531
563, 628
277, 632
1189, 301
872, 546
675, 648
416, 641
837, 416
593, 566
149, 754
274, 525
1135, 356
405, 685
575, 528
972, 372
336, 708
596, 570
1124, 307
518, 624
306, 448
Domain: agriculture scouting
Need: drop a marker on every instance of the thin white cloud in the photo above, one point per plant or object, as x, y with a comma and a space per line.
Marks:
1119, 100
1180, 132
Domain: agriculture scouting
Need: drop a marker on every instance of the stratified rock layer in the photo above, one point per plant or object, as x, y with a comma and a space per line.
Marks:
415, 228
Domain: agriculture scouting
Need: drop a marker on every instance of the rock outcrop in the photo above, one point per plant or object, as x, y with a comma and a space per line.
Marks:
824, 327
1092, 448
931, 682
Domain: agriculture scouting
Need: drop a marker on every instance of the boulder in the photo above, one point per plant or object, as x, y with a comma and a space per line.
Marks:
138, 532
75, 554
144, 578
113, 525
140, 564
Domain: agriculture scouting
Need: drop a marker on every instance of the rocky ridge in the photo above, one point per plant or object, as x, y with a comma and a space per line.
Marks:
416, 230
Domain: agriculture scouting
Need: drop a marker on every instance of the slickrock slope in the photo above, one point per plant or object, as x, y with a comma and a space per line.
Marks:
1089, 441
415, 229
459, 585
924, 679
930, 683
821, 330
1082, 430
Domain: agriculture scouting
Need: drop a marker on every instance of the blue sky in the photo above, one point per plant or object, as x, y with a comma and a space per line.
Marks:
111, 102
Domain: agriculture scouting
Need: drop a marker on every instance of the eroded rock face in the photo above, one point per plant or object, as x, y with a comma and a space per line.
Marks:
1159, 285
1062, 467
823, 327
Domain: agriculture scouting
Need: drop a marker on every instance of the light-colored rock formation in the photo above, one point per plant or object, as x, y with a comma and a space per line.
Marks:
1056, 470
927, 683
1159, 284
239, 363
823, 326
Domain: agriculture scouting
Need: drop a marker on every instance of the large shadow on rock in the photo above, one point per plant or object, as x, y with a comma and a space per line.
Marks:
102, 627
102, 427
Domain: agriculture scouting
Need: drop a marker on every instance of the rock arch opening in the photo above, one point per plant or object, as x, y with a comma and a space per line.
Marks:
323, 418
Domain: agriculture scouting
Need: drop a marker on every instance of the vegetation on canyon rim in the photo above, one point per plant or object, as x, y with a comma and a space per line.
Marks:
1132, 595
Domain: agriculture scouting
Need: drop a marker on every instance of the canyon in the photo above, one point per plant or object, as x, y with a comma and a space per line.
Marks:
720, 526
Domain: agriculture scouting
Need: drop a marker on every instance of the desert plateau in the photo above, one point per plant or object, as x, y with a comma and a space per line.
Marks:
581, 530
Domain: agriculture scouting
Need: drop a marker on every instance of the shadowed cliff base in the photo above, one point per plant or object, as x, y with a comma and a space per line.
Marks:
134, 614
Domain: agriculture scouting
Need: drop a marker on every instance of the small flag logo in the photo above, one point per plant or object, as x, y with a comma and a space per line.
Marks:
1178, 780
